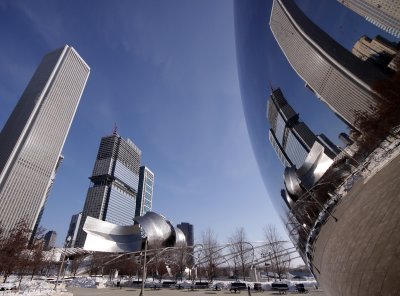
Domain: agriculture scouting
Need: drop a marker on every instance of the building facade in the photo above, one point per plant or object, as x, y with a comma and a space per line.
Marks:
384, 14
112, 194
30, 150
187, 230
379, 51
73, 229
50, 239
291, 139
331, 72
144, 199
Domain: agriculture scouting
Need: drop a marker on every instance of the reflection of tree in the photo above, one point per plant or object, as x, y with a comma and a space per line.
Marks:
241, 250
277, 251
372, 129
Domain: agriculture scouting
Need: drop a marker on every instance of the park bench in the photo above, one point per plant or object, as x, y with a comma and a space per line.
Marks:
235, 287
300, 288
257, 287
168, 284
201, 285
282, 288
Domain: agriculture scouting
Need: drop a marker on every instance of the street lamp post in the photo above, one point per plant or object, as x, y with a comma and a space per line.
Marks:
63, 259
144, 267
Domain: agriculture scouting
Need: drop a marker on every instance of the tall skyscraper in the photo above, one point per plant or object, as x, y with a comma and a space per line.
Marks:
73, 229
34, 135
187, 230
383, 13
144, 197
291, 139
50, 239
111, 196
379, 51
334, 74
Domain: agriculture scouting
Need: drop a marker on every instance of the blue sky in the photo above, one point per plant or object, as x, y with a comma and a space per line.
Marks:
166, 73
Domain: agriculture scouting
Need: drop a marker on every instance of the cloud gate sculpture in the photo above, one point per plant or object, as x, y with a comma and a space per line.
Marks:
104, 236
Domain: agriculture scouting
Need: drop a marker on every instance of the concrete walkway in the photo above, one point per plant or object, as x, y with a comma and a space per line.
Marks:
171, 292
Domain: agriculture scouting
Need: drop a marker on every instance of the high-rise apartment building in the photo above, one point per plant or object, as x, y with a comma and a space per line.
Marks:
111, 196
187, 230
379, 51
333, 73
73, 229
50, 239
291, 139
34, 135
385, 14
144, 199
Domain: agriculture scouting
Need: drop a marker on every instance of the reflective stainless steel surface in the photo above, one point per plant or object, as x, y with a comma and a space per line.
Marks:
314, 167
107, 237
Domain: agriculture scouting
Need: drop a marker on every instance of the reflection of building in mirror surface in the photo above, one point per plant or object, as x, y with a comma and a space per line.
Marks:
292, 139
334, 74
385, 14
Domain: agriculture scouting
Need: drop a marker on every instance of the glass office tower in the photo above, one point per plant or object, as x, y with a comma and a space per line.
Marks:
111, 196
34, 135
144, 199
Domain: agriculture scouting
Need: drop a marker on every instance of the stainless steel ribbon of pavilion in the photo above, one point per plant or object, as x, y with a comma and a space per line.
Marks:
102, 236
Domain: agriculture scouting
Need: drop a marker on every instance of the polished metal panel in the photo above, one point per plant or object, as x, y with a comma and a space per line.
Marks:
292, 182
314, 167
180, 238
103, 236
156, 227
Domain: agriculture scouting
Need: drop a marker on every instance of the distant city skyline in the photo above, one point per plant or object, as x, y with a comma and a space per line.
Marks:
34, 135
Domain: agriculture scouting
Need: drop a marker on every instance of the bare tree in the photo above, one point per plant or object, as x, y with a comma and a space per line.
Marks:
241, 251
179, 258
13, 246
36, 252
277, 251
75, 263
211, 253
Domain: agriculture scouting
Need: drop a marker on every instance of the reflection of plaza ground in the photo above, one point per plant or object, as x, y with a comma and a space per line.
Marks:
170, 292
360, 254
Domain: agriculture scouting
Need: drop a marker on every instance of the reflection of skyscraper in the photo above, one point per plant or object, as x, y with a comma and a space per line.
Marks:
33, 136
73, 229
291, 139
114, 182
187, 230
383, 13
335, 75
379, 51
144, 197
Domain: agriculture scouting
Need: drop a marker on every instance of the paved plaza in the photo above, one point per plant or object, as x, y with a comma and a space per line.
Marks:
171, 292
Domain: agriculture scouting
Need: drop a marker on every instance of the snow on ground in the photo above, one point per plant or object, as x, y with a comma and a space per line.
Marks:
82, 282
40, 287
